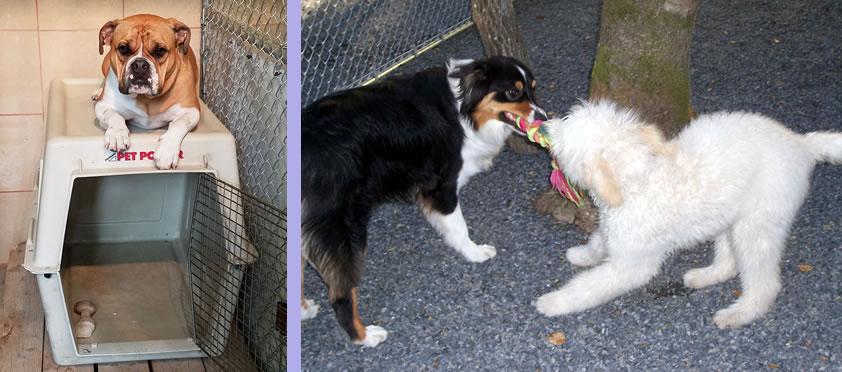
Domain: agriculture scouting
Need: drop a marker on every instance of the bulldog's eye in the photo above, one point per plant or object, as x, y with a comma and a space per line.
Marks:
160, 52
513, 94
124, 50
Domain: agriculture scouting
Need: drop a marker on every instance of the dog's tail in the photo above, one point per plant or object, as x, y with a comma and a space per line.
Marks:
825, 146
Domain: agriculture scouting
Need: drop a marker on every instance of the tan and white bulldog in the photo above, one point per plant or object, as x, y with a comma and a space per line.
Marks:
151, 81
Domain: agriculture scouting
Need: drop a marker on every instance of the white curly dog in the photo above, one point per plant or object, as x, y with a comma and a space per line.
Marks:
738, 178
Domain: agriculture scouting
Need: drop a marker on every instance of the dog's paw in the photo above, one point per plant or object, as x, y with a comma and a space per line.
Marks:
96, 94
708, 276
582, 255
734, 316
479, 253
117, 139
166, 155
698, 278
374, 335
553, 304
310, 310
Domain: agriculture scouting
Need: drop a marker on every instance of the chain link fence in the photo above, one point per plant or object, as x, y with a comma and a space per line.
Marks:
244, 81
346, 43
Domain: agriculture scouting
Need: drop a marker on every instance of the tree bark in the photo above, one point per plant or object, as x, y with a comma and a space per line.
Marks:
643, 59
642, 62
498, 29
500, 34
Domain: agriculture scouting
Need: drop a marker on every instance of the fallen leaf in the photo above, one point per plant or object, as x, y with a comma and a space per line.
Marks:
435, 363
736, 292
805, 268
557, 338
773, 366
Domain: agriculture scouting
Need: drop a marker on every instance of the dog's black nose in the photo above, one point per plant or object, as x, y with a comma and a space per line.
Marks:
140, 66
539, 115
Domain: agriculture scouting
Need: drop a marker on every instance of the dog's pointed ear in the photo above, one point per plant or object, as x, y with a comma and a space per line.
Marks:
601, 180
106, 32
182, 35
653, 138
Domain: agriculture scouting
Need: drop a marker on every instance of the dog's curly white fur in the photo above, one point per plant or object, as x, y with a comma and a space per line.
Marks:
738, 178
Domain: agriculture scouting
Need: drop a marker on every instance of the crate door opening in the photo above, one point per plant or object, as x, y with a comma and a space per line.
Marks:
126, 251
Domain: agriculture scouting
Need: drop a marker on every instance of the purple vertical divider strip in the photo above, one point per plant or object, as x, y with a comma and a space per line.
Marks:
293, 185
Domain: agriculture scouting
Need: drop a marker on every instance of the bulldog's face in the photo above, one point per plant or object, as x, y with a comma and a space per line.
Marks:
145, 50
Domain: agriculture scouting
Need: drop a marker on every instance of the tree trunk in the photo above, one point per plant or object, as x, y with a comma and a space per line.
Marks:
643, 59
498, 29
500, 34
642, 62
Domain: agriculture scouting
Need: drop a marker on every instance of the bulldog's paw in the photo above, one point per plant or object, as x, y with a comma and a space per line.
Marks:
374, 335
96, 94
479, 253
117, 139
166, 155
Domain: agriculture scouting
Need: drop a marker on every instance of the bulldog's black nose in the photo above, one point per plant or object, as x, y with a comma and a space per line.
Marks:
140, 66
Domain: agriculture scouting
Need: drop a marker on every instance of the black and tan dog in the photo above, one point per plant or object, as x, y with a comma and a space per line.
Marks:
419, 138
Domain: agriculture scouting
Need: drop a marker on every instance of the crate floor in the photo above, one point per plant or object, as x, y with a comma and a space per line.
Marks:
24, 342
135, 301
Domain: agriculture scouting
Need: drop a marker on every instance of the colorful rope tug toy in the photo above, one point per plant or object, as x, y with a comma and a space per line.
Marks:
534, 131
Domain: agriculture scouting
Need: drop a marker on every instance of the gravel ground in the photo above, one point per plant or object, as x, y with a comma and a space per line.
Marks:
781, 58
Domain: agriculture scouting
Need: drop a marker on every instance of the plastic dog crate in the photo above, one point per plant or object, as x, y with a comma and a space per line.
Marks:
113, 230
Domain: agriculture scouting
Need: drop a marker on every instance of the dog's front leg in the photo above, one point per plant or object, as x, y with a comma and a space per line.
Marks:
599, 285
169, 145
455, 232
116, 132
309, 309
589, 254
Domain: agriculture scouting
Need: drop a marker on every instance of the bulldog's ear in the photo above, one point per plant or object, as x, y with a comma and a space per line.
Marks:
601, 180
182, 35
106, 32
653, 138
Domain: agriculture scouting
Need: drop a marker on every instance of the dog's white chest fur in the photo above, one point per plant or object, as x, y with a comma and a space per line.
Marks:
126, 106
480, 147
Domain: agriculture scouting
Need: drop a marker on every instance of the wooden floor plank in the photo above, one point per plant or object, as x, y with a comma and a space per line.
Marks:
178, 365
211, 366
124, 367
51, 366
22, 318
2, 280
235, 356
